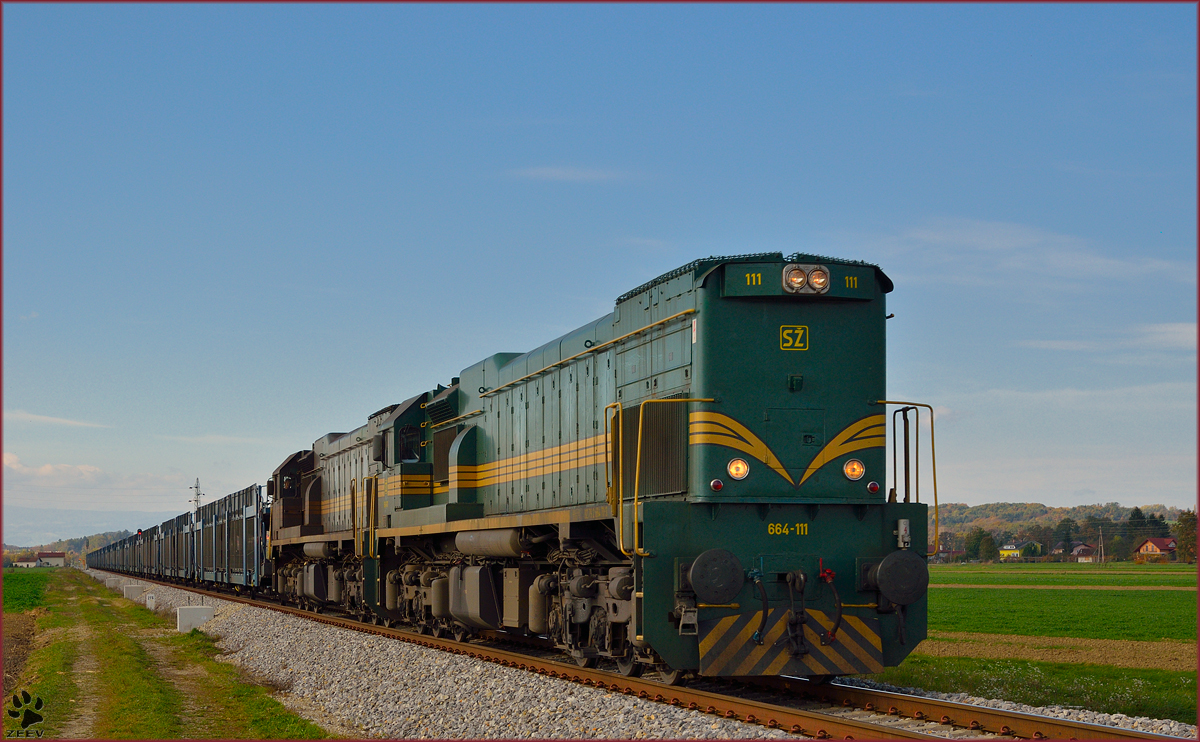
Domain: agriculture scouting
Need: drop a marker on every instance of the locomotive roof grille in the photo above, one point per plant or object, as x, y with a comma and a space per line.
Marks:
796, 257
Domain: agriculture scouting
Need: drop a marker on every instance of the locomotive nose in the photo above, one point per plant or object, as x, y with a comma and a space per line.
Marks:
902, 577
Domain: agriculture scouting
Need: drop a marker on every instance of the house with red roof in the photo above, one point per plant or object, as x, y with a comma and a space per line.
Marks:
1156, 549
52, 558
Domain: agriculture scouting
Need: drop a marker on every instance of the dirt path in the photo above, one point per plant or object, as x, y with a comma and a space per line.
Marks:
1164, 655
83, 706
186, 678
1065, 587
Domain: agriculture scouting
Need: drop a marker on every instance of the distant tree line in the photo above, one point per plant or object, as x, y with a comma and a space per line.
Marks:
1119, 537
71, 546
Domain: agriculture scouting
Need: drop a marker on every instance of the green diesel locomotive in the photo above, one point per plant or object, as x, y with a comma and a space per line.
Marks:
690, 484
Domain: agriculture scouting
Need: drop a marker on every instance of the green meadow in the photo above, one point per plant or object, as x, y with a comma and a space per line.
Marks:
1074, 611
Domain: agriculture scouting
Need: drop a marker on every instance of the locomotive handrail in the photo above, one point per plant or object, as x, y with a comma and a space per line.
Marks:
371, 495
354, 514
451, 421
593, 349
618, 507
933, 460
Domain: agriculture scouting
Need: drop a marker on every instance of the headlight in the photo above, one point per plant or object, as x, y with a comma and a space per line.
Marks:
805, 278
819, 279
794, 279
738, 468
854, 469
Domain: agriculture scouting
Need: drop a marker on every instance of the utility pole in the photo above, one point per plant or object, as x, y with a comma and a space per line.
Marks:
1101, 546
196, 497
196, 531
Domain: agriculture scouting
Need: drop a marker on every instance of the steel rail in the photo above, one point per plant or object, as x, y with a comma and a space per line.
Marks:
821, 725
975, 718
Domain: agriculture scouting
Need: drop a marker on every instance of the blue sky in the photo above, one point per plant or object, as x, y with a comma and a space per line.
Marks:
230, 229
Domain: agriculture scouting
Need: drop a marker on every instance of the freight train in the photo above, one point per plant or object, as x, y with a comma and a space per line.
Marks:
690, 484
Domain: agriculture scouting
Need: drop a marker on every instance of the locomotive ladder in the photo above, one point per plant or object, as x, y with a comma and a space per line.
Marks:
915, 446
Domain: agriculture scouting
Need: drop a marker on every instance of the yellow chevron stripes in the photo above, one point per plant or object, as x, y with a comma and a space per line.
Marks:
722, 430
869, 432
717, 429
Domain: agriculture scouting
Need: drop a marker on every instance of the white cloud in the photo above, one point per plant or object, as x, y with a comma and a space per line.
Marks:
87, 487
27, 317
13, 465
569, 174
20, 416
1170, 336
1015, 257
1140, 398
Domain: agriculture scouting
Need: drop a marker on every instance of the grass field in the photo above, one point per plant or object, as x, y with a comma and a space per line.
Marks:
25, 588
1141, 615
1119, 615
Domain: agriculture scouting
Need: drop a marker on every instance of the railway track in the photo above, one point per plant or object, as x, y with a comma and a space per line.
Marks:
828, 711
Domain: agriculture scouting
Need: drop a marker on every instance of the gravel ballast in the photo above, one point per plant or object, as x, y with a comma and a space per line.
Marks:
379, 687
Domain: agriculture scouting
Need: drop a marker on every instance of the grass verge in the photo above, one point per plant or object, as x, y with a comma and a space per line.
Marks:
149, 682
1113, 690
136, 702
238, 707
48, 675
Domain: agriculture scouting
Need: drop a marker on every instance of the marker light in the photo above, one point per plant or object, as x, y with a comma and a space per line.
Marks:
872, 487
795, 279
716, 485
854, 469
738, 469
819, 279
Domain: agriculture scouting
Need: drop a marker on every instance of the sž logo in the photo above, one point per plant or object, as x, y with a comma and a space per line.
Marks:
25, 708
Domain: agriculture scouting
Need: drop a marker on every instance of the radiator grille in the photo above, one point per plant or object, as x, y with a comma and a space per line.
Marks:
664, 448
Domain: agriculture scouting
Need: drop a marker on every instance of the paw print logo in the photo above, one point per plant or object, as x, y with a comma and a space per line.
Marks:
25, 707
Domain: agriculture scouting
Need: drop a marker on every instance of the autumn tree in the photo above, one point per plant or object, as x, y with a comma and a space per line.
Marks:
988, 551
1063, 533
972, 541
1185, 536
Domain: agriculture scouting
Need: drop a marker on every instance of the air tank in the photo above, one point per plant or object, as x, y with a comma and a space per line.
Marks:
319, 550
496, 542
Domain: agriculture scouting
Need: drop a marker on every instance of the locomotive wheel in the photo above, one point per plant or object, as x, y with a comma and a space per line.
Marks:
629, 666
587, 662
669, 676
461, 635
